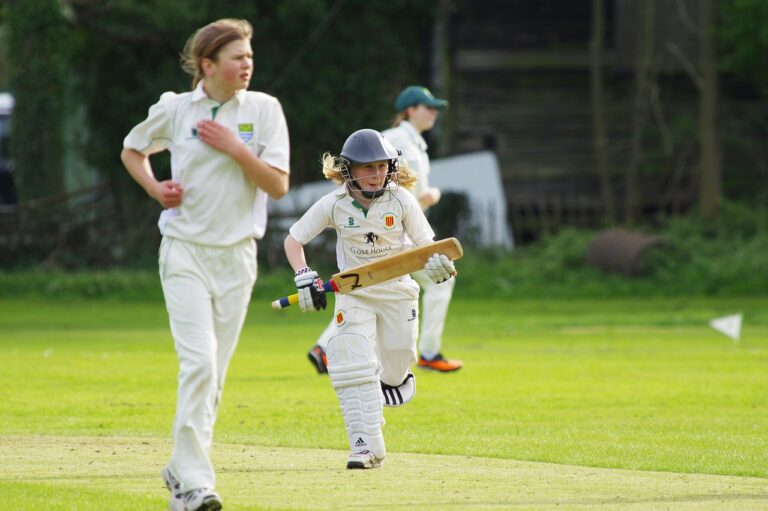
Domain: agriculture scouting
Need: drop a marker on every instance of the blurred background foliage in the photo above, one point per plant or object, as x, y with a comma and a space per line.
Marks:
89, 70
84, 72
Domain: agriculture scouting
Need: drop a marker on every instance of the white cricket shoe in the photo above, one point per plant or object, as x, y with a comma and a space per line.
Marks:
363, 459
176, 503
202, 499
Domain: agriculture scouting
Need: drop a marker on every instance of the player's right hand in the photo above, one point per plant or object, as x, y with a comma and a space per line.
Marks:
168, 193
311, 293
439, 268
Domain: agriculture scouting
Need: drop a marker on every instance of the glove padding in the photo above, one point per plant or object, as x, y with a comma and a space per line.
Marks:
311, 293
439, 268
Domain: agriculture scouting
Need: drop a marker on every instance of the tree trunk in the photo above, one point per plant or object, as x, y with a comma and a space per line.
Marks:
600, 138
709, 143
643, 70
443, 131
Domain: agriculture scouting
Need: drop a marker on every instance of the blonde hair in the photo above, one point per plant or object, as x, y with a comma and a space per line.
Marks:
398, 118
332, 170
206, 43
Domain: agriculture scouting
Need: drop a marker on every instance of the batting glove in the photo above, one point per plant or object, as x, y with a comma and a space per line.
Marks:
311, 293
439, 268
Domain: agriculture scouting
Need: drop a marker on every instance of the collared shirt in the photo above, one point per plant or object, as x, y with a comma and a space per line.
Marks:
409, 141
393, 223
220, 205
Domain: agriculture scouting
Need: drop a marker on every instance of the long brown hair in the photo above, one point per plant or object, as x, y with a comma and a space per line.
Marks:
206, 43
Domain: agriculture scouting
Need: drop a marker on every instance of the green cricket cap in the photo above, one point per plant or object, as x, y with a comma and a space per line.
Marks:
416, 95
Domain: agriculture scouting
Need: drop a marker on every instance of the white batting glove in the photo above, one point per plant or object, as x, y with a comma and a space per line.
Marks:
439, 268
311, 293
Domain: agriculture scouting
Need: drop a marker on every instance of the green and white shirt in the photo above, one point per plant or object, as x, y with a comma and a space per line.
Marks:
220, 206
393, 223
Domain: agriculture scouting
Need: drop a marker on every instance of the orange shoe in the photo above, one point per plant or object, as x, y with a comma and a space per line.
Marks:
440, 363
318, 359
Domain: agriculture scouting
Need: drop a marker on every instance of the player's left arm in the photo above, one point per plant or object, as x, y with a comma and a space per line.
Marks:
429, 197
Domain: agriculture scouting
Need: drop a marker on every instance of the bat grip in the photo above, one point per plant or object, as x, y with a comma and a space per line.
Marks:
329, 286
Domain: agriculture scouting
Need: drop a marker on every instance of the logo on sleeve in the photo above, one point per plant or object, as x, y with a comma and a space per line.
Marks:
389, 221
245, 131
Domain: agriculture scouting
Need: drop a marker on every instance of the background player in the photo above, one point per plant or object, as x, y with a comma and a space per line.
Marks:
229, 151
375, 328
417, 111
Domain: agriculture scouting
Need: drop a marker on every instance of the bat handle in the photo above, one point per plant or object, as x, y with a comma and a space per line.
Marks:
329, 287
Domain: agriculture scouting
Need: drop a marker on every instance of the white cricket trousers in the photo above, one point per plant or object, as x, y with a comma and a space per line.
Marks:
435, 299
387, 315
207, 290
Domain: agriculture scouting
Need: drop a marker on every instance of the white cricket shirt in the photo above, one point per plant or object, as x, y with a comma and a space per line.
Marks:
220, 206
393, 223
409, 141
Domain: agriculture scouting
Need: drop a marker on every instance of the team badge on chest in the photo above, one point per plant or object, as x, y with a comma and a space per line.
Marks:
389, 221
245, 131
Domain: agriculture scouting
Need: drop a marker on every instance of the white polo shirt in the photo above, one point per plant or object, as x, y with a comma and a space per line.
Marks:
220, 206
393, 223
409, 141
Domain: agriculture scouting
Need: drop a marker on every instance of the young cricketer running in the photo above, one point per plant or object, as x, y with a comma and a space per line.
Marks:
376, 327
417, 110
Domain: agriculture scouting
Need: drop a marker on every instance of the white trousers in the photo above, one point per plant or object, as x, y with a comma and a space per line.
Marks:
435, 299
434, 309
388, 317
207, 291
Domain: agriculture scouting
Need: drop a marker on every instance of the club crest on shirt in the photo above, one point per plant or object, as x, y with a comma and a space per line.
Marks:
245, 131
389, 221
340, 319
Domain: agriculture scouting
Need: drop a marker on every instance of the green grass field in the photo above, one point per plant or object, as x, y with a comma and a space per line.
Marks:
579, 404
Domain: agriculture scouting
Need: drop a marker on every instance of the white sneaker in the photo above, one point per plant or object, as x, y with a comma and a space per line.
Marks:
363, 459
175, 503
202, 499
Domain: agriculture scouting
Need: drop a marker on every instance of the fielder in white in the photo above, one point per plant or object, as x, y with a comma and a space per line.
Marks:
375, 328
229, 151
417, 112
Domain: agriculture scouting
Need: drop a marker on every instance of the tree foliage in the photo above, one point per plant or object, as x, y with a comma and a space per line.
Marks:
335, 65
332, 75
37, 53
743, 35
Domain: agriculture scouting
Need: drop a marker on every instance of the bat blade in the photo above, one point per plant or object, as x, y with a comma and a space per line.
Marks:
383, 269
394, 266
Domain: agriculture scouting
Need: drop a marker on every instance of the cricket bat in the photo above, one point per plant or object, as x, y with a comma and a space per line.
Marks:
383, 269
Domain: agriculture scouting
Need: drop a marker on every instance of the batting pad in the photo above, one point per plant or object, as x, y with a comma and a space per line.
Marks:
354, 373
